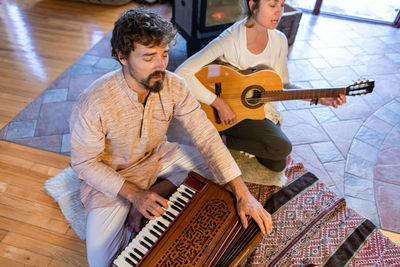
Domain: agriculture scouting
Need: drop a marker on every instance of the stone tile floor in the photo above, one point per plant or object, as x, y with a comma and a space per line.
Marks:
354, 150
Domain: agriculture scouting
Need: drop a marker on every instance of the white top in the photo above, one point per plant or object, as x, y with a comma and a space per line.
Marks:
231, 47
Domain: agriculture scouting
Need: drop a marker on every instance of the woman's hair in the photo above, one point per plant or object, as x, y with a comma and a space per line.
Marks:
140, 26
250, 12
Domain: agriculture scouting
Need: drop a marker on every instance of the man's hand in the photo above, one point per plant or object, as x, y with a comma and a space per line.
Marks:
225, 113
248, 205
333, 101
134, 220
148, 203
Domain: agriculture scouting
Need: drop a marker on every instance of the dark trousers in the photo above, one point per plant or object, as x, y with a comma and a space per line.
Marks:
262, 138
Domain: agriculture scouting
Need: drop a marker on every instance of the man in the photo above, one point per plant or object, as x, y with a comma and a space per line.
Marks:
118, 140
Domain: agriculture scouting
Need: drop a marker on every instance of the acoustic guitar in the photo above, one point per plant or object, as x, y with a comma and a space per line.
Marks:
246, 92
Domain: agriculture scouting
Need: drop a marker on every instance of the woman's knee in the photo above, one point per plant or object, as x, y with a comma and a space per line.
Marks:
279, 150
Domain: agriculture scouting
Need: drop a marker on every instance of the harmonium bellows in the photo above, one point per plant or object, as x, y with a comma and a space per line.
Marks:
200, 228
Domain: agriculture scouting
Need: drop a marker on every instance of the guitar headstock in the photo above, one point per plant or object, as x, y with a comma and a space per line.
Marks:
360, 88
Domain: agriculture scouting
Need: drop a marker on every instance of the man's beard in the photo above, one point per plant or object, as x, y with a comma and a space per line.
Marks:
156, 87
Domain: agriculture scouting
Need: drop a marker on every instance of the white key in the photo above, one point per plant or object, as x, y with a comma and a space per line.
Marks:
126, 255
190, 189
130, 250
120, 262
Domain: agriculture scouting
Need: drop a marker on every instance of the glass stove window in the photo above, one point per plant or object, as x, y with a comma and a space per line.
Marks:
222, 12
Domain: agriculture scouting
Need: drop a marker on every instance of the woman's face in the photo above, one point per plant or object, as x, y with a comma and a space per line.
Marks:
268, 13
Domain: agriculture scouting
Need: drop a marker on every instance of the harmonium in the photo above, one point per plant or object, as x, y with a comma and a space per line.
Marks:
200, 228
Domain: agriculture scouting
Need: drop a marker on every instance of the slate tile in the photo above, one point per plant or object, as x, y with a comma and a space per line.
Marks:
359, 167
387, 199
336, 172
388, 116
393, 137
3, 132
89, 60
364, 150
54, 119
55, 95
342, 133
21, 129
31, 112
326, 152
79, 83
50, 143
378, 125
358, 187
66, 143
62, 81
324, 114
305, 155
302, 128
388, 173
370, 137
365, 208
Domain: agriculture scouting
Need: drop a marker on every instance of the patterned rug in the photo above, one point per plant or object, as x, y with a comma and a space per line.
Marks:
314, 227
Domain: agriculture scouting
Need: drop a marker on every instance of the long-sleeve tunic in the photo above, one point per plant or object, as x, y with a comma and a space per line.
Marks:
116, 138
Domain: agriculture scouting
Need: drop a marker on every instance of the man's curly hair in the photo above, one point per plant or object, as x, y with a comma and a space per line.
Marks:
140, 26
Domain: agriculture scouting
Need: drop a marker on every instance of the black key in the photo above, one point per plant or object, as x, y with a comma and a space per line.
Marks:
158, 229
144, 244
148, 240
128, 260
170, 214
138, 252
134, 256
161, 224
154, 233
181, 200
189, 192
175, 208
186, 195
167, 218
179, 205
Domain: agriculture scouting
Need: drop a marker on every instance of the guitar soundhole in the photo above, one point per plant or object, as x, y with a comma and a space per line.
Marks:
251, 96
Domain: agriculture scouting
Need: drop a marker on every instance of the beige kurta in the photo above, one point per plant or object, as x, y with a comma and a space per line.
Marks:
115, 138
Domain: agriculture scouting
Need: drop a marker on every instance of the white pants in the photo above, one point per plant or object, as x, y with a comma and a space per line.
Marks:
106, 233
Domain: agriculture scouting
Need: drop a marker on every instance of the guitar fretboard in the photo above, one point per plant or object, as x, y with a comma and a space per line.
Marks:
291, 94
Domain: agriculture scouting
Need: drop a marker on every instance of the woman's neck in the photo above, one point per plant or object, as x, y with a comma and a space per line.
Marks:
257, 37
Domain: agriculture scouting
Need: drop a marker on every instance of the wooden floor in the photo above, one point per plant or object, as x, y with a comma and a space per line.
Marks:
33, 230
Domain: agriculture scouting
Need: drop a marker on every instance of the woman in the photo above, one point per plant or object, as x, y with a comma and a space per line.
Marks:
250, 42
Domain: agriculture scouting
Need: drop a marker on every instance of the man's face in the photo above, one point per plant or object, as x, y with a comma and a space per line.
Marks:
146, 66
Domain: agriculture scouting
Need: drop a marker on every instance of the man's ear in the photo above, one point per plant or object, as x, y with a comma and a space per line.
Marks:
121, 58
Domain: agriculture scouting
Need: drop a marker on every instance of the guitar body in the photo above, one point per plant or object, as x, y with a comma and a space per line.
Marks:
247, 91
238, 89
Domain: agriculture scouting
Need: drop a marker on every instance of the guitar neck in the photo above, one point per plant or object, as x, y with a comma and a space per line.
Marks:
291, 94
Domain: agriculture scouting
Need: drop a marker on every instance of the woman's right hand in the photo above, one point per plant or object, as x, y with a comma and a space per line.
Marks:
225, 113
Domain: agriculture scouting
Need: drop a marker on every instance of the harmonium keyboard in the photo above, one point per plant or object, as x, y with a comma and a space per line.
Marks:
200, 228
